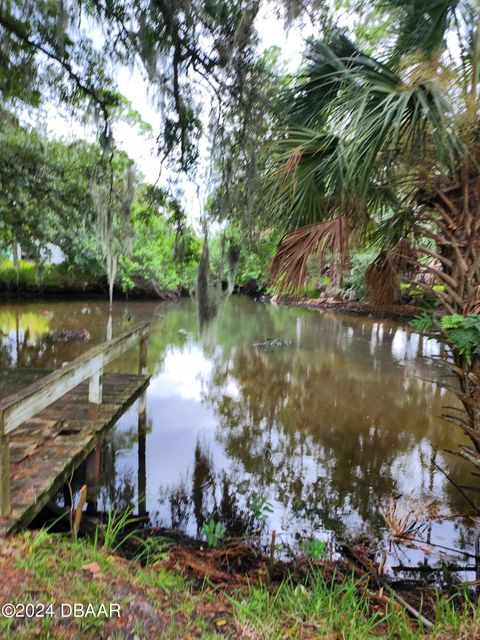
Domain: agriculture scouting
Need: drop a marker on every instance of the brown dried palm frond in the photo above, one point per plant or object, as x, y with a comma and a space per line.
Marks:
473, 302
401, 523
291, 163
288, 269
383, 275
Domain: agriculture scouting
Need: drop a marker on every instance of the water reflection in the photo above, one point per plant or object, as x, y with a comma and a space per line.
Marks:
205, 494
324, 429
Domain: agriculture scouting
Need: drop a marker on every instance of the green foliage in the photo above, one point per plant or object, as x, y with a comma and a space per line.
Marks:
48, 52
260, 508
463, 334
360, 261
453, 321
253, 268
214, 532
256, 247
45, 196
330, 609
116, 531
153, 549
317, 606
31, 274
423, 323
164, 249
365, 134
49, 176
315, 549
26, 273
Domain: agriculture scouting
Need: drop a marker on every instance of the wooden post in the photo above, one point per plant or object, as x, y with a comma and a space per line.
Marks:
142, 461
142, 363
5, 505
95, 387
92, 479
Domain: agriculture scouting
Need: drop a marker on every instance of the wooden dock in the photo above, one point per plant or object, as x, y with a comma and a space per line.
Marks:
51, 421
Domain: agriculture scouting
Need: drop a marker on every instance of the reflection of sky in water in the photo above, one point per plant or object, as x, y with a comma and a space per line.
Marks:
324, 429
182, 374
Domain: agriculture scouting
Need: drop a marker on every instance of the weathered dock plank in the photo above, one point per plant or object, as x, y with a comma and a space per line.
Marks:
45, 449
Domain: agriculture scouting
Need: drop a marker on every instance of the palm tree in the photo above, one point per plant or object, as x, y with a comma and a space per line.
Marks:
386, 151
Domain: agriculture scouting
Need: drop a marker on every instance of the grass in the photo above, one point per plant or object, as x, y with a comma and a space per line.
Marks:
156, 601
328, 609
30, 275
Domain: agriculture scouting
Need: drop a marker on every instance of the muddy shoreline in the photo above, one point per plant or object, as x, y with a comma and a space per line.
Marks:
393, 312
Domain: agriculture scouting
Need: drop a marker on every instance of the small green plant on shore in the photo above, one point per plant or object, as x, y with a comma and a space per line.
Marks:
260, 508
463, 333
315, 549
322, 604
423, 322
214, 532
332, 610
152, 550
111, 533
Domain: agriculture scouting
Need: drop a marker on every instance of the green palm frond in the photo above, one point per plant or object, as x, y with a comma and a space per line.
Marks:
370, 121
320, 81
363, 136
423, 24
296, 190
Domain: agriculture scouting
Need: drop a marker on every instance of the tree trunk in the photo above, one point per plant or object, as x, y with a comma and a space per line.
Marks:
16, 259
458, 240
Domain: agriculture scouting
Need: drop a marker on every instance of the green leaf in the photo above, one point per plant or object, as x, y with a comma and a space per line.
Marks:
423, 323
452, 321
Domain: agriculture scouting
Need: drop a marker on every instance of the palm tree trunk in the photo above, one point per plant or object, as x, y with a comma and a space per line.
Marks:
458, 231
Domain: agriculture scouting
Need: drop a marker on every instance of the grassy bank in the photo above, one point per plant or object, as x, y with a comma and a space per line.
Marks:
160, 600
65, 281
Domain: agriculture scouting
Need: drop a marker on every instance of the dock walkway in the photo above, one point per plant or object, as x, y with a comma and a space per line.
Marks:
51, 421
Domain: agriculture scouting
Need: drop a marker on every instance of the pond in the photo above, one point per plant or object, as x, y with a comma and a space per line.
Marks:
316, 431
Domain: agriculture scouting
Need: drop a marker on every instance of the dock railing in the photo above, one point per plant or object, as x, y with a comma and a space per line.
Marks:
15, 409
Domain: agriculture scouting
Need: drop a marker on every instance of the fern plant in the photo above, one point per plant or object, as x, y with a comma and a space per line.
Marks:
423, 323
463, 334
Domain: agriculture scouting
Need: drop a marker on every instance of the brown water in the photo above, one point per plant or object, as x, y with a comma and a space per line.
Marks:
324, 429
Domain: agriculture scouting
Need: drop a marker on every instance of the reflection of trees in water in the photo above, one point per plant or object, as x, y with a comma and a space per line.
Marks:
30, 326
206, 494
320, 430
320, 427
203, 484
118, 488
119, 494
